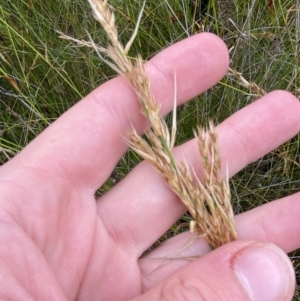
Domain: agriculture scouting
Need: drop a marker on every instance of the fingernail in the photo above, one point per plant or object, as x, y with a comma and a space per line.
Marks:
265, 272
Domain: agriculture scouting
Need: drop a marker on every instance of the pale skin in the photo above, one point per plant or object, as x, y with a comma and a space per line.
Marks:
58, 243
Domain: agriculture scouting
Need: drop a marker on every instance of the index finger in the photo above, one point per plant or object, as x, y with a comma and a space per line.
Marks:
86, 142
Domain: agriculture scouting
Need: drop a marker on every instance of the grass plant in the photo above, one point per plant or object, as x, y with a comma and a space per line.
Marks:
41, 75
207, 199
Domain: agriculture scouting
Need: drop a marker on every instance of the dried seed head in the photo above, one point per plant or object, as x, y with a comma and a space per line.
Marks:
208, 198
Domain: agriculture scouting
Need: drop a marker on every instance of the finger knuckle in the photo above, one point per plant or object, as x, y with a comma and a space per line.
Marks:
183, 288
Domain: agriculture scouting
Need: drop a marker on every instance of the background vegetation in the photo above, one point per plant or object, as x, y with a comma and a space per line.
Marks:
41, 75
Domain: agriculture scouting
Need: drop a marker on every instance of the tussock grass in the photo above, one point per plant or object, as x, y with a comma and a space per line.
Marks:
41, 75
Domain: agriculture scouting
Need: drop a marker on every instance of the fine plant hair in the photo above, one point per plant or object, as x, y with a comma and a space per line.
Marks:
207, 198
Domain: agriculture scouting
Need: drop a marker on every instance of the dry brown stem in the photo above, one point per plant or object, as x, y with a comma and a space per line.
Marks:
208, 199
81, 43
256, 90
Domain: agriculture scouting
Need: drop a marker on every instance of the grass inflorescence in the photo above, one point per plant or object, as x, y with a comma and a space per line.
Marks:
207, 199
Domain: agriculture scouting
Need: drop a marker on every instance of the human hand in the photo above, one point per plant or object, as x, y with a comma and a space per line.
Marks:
58, 243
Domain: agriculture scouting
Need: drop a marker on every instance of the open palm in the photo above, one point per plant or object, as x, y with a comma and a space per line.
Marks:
58, 243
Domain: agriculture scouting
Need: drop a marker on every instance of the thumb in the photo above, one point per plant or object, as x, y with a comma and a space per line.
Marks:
239, 271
